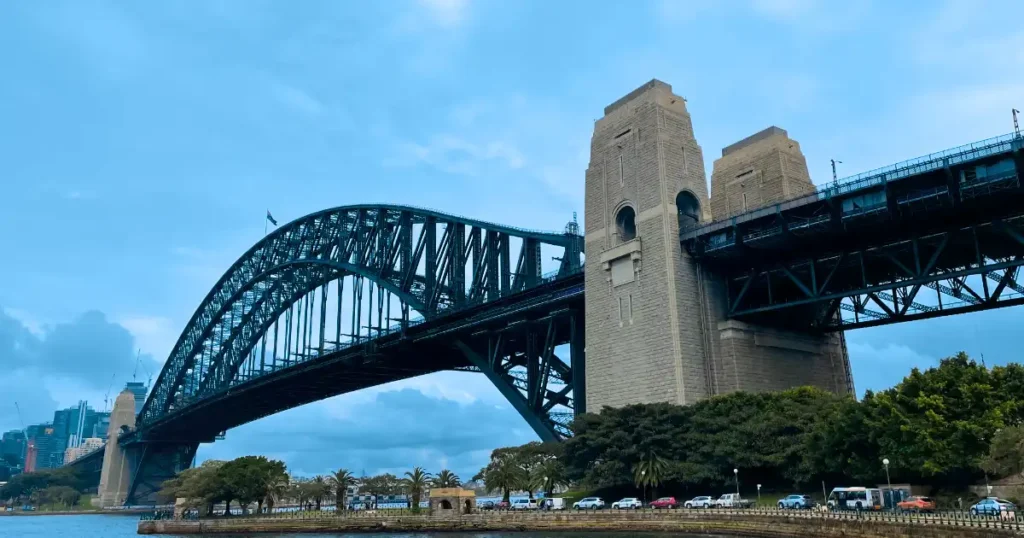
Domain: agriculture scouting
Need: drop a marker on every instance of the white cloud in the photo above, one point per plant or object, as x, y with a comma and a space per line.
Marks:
455, 155
784, 9
447, 13
297, 99
27, 320
155, 335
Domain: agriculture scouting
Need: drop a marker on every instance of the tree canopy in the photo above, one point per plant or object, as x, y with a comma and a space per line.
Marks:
935, 427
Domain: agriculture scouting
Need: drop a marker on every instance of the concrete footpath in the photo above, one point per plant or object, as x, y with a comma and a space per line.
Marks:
752, 523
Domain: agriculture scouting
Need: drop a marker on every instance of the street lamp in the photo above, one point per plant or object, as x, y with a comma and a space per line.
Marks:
545, 486
736, 473
759, 494
644, 482
885, 462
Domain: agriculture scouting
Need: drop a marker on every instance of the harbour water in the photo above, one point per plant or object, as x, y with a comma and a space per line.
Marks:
124, 526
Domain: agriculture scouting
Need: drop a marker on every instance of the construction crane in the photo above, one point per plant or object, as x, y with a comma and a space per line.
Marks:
106, 397
138, 356
20, 420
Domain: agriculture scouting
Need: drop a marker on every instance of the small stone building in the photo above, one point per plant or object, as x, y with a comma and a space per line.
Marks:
452, 500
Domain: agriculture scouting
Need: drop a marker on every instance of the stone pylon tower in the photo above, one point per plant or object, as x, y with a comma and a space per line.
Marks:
115, 478
645, 337
656, 320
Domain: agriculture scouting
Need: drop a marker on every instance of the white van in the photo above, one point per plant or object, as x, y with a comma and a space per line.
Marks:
855, 499
524, 504
553, 503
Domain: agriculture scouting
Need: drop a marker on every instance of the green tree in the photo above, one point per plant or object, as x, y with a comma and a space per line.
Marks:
341, 480
936, 425
384, 484
62, 497
503, 473
446, 479
246, 479
201, 487
1006, 453
415, 482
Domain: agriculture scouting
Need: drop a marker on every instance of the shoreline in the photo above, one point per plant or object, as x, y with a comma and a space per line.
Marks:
90, 512
735, 523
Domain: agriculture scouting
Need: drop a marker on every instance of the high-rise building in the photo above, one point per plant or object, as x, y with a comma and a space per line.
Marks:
44, 450
138, 389
75, 424
86, 446
12, 453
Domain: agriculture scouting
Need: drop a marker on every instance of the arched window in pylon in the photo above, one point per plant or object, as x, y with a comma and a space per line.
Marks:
688, 210
625, 223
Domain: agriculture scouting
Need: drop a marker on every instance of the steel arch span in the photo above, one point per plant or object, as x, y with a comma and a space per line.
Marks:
357, 296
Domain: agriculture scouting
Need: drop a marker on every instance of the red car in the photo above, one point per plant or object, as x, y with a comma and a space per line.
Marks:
667, 503
917, 504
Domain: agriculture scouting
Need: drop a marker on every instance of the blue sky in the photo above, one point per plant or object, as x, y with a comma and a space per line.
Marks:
142, 143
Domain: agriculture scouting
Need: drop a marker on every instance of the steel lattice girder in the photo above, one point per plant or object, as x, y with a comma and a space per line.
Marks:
420, 349
420, 256
521, 360
968, 269
156, 463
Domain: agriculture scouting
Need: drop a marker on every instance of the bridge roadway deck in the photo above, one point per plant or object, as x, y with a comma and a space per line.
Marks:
421, 349
932, 236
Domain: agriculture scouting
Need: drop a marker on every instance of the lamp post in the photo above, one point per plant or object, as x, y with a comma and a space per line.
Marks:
759, 494
643, 474
736, 473
885, 462
545, 486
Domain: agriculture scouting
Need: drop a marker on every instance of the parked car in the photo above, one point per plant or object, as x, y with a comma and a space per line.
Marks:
524, 504
589, 503
502, 505
665, 503
796, 502
917, 503
485, 505
704, 501
732, 500
992, 506
553, 503
627, 503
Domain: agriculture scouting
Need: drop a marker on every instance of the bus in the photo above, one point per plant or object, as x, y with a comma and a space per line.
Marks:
855, 499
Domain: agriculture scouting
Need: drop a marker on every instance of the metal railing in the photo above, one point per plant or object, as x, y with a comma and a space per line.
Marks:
878, 176
1005, 520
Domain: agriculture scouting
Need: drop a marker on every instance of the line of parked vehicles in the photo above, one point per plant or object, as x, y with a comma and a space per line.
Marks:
728, 500
844, 498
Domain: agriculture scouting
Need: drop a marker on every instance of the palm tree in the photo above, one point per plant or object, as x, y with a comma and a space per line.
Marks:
321, 489
341, 480
503, 475
447, 479
273, 477
649, 471
414, 483
550, 474
277, 490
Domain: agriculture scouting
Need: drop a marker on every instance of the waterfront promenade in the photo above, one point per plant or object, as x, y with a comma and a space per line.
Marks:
757, 523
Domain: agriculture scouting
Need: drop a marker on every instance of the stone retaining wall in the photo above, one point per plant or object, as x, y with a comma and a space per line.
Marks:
736, 524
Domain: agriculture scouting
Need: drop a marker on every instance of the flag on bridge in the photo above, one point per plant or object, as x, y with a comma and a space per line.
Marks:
271, 218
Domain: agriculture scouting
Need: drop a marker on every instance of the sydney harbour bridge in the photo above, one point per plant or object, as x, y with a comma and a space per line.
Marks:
362, 295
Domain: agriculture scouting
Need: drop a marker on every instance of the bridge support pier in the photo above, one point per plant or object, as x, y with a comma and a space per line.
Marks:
657, 325
115, 477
